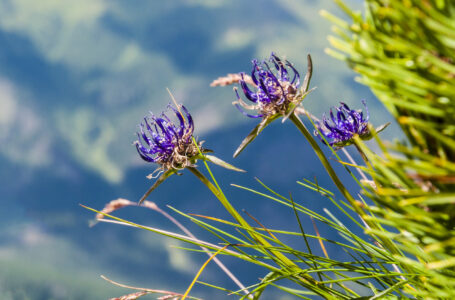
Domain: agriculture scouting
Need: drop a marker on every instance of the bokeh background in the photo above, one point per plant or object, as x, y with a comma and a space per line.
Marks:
77, 76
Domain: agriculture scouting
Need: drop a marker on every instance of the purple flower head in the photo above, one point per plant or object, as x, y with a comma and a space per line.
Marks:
343, 125
162, 141
275, 85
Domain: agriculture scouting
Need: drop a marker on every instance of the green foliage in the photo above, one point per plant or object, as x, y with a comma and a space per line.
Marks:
405, 52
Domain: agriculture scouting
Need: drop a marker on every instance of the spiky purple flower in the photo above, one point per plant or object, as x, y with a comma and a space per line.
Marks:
162, 141
345, 123
274, 88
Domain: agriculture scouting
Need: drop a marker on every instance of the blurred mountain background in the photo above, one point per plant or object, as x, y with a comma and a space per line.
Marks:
77, 76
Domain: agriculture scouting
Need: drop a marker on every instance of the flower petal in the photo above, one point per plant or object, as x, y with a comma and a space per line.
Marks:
245, 113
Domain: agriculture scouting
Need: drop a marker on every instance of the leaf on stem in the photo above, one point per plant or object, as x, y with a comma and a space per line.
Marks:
309, 74
159, 181
382, 127
254, 133
221, 163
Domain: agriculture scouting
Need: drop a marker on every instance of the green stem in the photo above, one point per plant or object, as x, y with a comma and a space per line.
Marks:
363, 155
227, 205
219, 195
299, 124
290, 265
365, 158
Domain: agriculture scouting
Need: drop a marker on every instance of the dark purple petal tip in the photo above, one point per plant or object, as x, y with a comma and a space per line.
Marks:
158, 137
276, 83
347, 123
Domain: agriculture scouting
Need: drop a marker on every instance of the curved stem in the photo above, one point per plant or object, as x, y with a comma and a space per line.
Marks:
281, 259
215, 259
361, 173
325, 162
219, 195
363, 155
233, 212
202, 269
